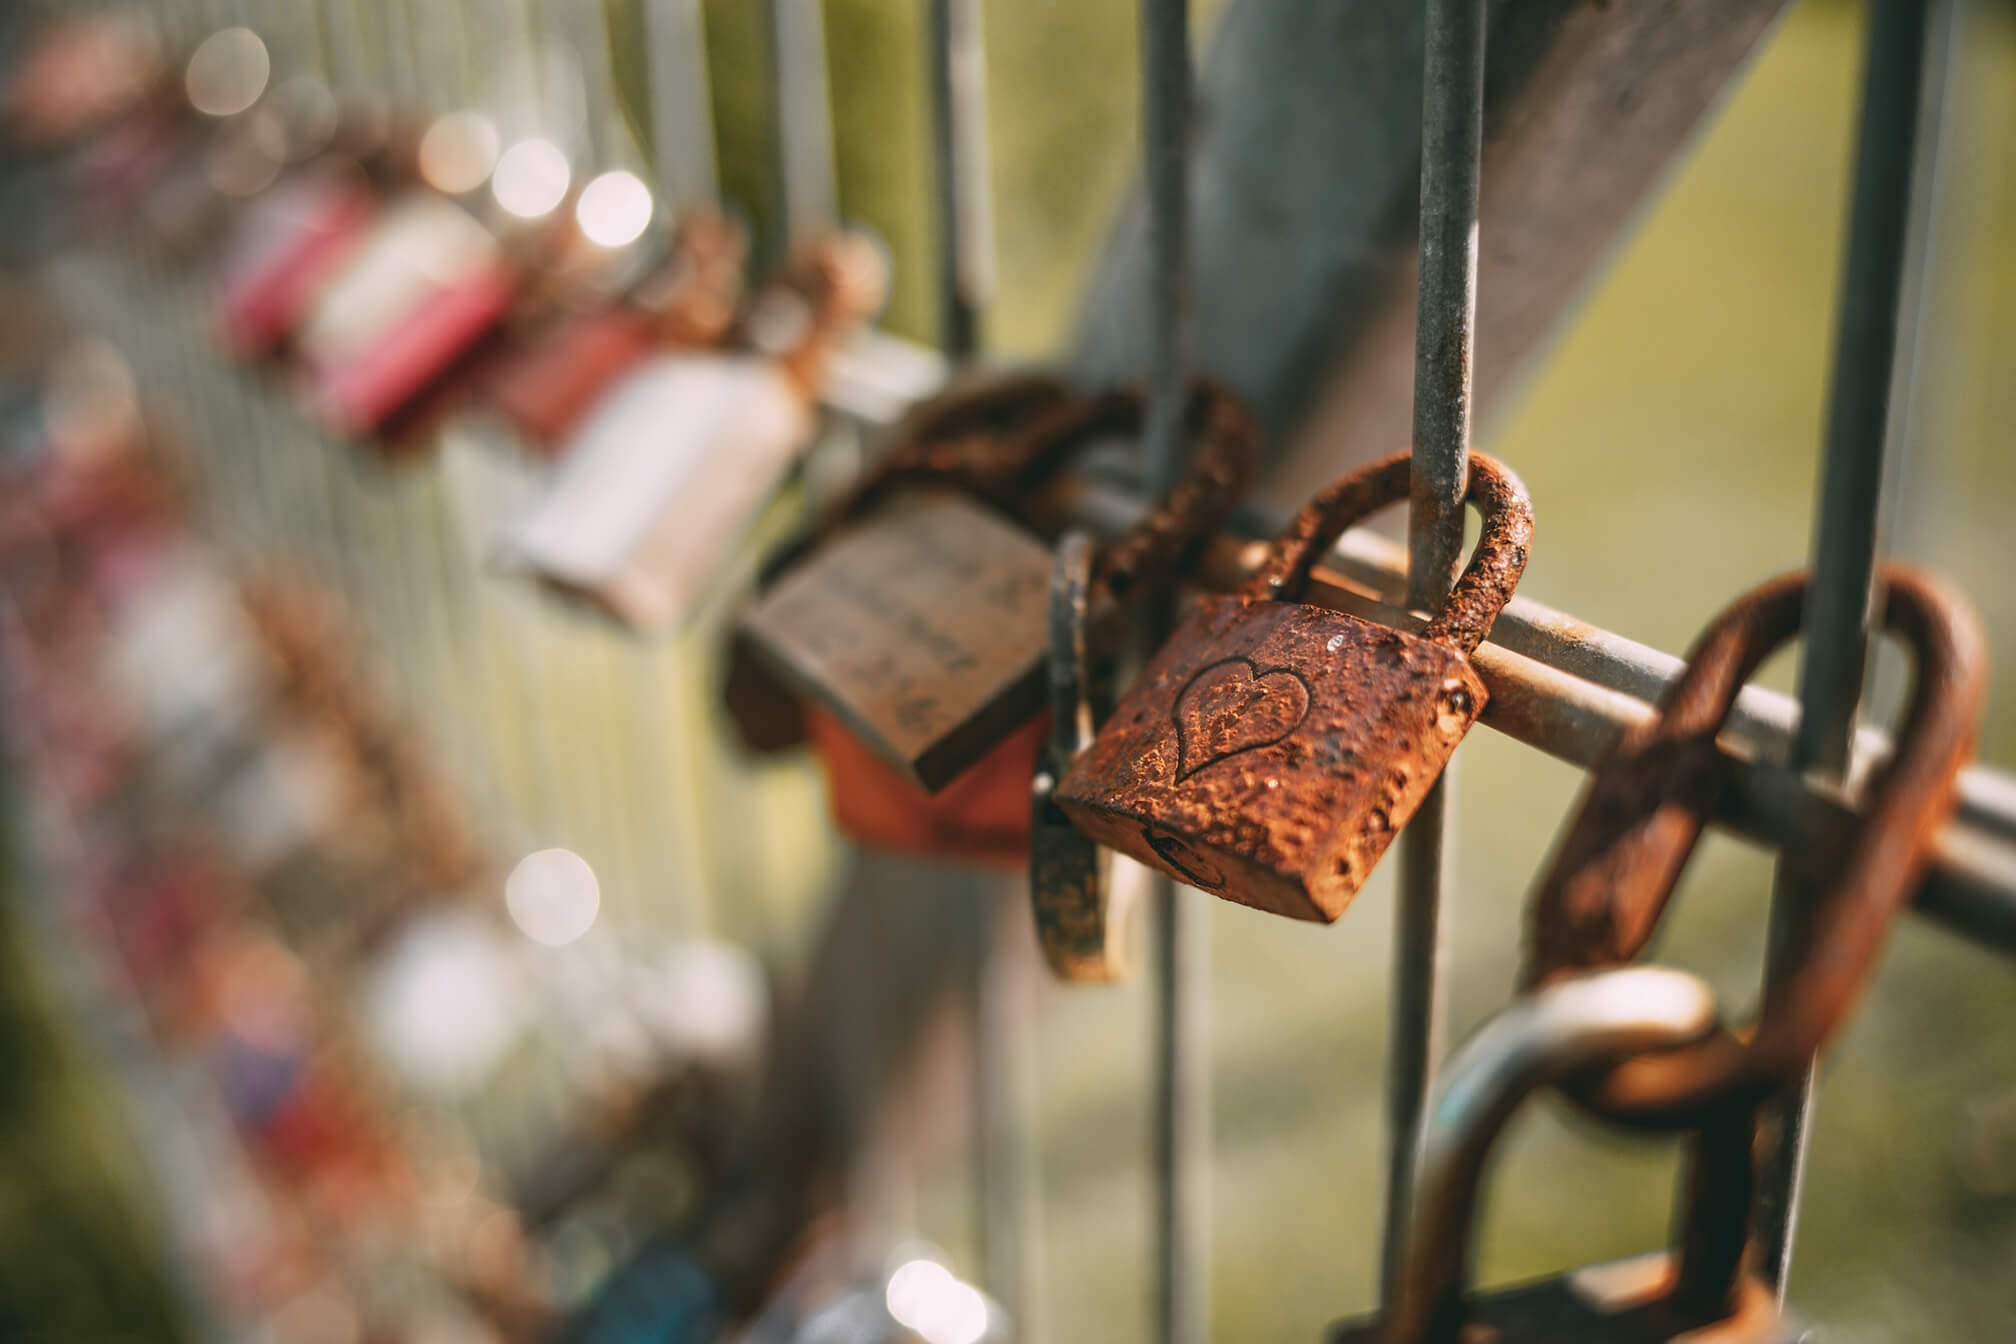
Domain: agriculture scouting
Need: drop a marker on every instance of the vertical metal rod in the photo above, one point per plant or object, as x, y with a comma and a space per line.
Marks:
1836, 620
1182, 1005
1452, 132
682, 108
1166, 83
808, 195
965, 180
1003, 1048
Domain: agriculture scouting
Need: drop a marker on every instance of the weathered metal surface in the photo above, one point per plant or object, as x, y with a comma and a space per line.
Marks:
921, 628
1570, 689
1080, 916
1272, 750
919, 622
1612, 875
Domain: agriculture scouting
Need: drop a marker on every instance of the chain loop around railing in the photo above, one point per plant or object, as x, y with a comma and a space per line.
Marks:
1613, 874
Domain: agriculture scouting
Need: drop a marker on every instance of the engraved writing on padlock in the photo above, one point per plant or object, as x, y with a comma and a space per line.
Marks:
934, 682
1699, 1293
1270, 752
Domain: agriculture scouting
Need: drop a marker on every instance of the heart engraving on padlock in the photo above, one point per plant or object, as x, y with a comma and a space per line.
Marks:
1235, 706
1180, 855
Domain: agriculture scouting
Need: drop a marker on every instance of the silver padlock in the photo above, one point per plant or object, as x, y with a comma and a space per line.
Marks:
1699, 1293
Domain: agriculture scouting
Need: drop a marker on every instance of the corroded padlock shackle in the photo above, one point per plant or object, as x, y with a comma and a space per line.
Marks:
1487, 581
1541, 1038
1614, 872
1005, 436
1080, 914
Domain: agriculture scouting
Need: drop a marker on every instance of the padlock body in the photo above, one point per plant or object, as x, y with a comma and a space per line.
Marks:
659, 481
980, 817
1622, 1302
291, 240
1271, 751
548, 387
921, 628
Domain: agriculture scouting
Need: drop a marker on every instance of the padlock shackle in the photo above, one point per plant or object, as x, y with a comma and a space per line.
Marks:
1002, 437
1542, 1037
1487, 581
1080, 913
1613, 874
1069, 658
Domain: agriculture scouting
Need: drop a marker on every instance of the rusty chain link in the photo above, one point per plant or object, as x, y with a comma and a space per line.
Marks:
1613, 873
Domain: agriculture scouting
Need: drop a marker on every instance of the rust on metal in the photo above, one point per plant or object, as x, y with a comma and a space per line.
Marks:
1613, 872
1080, 914
1272, 750
916, 622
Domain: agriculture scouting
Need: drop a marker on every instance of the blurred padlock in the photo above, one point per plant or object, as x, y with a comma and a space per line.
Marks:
1271, 751
686, 303
664, 474
1699, 1295
420, 290
289, 243
916, 630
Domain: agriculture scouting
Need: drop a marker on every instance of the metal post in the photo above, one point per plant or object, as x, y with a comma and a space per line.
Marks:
808, 195
682, 108
965, 197
1452, 132
1182, 1007
1836, 621
1003, 1054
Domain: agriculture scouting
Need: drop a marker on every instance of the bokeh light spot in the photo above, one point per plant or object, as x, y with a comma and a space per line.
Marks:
553, 896
458, 151
531, 178
228, 72
614, 209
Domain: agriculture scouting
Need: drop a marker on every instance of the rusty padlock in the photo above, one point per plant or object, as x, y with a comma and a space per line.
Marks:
1701, 1295
1271, 751
917, 632
1609, 881
1081, 914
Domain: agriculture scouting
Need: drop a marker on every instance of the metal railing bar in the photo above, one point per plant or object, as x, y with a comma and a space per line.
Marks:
964, 185
1568, 688
682, 106
1182, 933
809, 195
1452, 135
1987, 798
1834, 657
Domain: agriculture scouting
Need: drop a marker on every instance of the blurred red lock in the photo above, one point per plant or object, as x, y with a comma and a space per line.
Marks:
291, 240
687, 302
416, 297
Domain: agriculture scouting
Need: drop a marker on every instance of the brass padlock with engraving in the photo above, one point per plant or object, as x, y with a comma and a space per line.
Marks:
1700, 1294
917, 630
1271, 751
